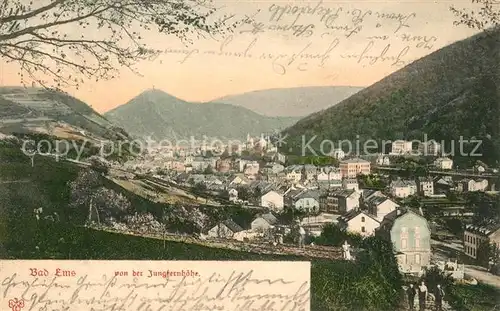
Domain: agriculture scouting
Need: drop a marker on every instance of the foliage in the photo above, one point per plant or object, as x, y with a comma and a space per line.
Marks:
314, 160
488, 254
243, 193
488, 15
334, 236
208, 170
486, 207
40, 37
87, 192
434, 276
372, 181
99, 164
455, 226
199, 189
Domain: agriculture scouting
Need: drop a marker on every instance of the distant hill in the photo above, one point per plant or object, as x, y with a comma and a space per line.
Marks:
41, 110
291, 102
452, 92
163, 116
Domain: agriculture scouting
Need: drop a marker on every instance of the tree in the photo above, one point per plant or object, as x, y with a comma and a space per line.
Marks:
487, 16
243, 193
199, 189
41, 36
488, 254
87, 191
99, 164
208, 170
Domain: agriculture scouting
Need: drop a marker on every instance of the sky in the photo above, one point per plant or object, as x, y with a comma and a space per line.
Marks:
289, 44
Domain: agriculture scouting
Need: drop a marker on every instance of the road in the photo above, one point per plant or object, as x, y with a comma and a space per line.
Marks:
450, 173
476, 272
483, 276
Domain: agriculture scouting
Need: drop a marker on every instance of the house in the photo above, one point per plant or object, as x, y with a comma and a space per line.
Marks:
188, 160
380, 206
239, 165
314, 224
293, 173
474, 236
309, 172
479, 169
358, 222
277, 157
223, 165
233, 195
443, 184
338, 154
239, 180
366, 194
401, 147
410, 234
429, 148
251, 168
264, 222
383, 160
304, 200
273, 200
339, 201
273, 168
401, 188
200, 164
175, 165
470, 185
425, 186
225, 229
328, 173
353, 167
350, 183
443, 163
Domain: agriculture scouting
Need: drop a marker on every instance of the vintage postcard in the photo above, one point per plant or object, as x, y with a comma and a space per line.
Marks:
297, 155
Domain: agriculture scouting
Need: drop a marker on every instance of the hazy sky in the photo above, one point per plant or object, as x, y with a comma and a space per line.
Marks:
332, 43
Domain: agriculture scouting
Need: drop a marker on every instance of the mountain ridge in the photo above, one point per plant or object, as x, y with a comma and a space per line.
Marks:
160, 115
290, 102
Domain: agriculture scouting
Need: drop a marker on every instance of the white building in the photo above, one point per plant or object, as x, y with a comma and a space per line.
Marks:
401, 147
350, 183
359, 222
273, 200
403, 188
264, 222
338, 154
380, 206
443, 163
233, 195
225, 230
383, 160
328, 173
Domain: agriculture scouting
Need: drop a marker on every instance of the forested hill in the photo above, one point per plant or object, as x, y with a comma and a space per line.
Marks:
451, 93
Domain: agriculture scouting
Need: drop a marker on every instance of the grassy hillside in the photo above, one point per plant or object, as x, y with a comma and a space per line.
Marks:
23, 107
450, 93
163, 116
293, 102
